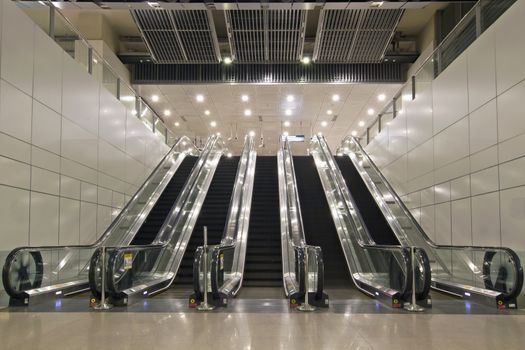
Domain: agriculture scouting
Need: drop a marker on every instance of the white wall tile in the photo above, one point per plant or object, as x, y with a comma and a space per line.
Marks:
397, 134
484, 181
103, 219
421, 160
17, 50
452, 170
112, 120
481, 62
461, 225
14, 173
512, 173
414, 200
510, 48
511, 148
48, 71
442, 192
14, 148
428, 221
483, 127
486, 220
15, 112
104, 197
484, 159
88, 192
78, 144
443, 224
451, 144
111, 160
421, 182
460, 188
510, 116
450, 95
45, 181
44, 219
44, 159
14, 216
419, 118
46, 128
135, 144
80, 98
69, 221
69, 187
88, 223
78, 171
427, 196
513, 218
118, 200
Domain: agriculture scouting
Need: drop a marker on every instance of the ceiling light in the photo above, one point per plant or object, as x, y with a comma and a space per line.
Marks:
251, 133
288, 112
127, 98
154, 4
324, 123
199, 98
207, 112
381, 97
305, 60
218, 134
177, 124
134, 112
287, 123
213, 124
245, 98
376, 3
290, 98
247, 112
361, 123
229, 155
227, 60
167, 112
354, 133
155, 98
329, 112
370, 111
335, 98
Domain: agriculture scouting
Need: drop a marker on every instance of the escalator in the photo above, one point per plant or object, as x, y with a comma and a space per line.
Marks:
263, 266
213, 214
151, 226
319, 228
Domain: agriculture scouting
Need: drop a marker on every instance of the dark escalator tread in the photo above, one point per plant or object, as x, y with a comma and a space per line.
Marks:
374, 219
213, 215
318, 224
263, 254
161, 209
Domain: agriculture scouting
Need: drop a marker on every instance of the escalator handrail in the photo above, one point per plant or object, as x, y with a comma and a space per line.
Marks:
403, 251
184, 141
160, 243
513, 256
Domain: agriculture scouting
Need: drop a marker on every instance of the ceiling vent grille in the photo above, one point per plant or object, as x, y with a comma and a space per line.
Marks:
178, 36
355, 36
266, 35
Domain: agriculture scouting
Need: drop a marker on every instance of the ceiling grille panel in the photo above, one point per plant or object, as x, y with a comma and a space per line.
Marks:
266, 35
178, 36
354, 36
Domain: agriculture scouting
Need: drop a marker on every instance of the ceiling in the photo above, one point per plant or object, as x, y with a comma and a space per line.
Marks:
268, 105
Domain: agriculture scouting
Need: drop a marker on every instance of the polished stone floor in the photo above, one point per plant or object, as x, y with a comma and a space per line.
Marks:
251, 322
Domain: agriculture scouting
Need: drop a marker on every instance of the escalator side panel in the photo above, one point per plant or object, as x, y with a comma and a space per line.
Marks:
151, 226
373, 218
318, 224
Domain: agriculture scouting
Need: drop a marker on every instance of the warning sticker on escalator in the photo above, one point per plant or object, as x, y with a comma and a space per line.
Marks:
128, 261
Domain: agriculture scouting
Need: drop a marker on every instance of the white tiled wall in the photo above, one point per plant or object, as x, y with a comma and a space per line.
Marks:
71, 155
465, 154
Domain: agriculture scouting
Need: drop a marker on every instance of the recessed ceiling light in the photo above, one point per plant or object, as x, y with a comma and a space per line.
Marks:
287, 123
361, 123
370, 111
305, 60
207, 112
288, 112
218, 134
245, 98
319, 134
227, 60
354, 133
229, 155
213, 124
167, 112
329, 112
134, 112
285, 134
155, 98
177, 124
247, 112
335, 98
199, 98
251, 133
381, 97
324, 123
290, 98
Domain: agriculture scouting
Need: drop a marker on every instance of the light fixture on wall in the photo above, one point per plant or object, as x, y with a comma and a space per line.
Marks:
336, 97
247, 112
155, 98
199, 98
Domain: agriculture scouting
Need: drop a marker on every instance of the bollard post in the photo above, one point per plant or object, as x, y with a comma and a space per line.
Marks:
306, 305
204, 306
413, 306
103, 304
